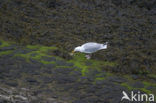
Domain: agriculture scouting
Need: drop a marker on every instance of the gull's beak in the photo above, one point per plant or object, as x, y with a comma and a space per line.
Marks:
72, 53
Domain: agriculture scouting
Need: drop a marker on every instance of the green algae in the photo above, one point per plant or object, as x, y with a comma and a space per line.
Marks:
4, 44
39, 51
79, 60
5, 52
132, 88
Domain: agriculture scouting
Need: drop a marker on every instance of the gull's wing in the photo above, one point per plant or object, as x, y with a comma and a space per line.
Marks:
91, 47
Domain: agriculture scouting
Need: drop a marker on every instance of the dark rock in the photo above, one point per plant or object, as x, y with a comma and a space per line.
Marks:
116, 79
88, 63
0, 43
48, 58
33, 54
22, 51
104, 82
50, 66
135, 77
31, 80
79, 101
151, 88
63, 63
7, 48
63, 70
137, 84
65, 78
11, 83
47, 79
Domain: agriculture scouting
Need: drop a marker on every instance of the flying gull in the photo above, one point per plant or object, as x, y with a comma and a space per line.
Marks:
90, 48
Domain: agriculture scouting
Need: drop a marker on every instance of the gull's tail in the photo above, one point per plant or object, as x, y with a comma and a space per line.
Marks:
104, 46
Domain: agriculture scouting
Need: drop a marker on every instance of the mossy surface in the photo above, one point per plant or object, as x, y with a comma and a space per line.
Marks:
5, 52
39, 51
141, 89
79, 60
4, 44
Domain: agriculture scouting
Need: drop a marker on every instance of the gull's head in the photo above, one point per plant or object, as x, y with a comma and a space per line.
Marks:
77, 49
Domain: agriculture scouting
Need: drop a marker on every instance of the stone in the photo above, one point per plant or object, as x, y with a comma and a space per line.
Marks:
137, 84
50, 66
7, 48
63, 63
11, 83
31, 80
45, 58
22, 51
88, 63
116, 79
135, 77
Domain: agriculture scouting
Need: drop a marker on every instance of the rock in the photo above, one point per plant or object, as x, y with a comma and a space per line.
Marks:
79, 101
63, 63
32, 81
33, 54
116, 79
11, 83
50, 66
88, 63
22, 51
47, 79
135, 77
7, 48
137, 84
151, 88
48, 58
0, 43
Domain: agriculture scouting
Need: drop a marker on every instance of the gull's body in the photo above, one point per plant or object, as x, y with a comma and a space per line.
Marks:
90, 47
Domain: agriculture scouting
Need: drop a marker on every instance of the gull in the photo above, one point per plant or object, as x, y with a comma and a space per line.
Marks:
90, 48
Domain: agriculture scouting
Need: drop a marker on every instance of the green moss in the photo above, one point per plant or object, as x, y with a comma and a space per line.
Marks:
132, 88
47, 62
40, 48
32, 46
40, 52
152, 75
79, 60
99, 78
149, 84
127, 86
5, 52
4, 44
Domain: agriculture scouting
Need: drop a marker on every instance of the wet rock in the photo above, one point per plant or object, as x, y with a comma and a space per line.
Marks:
79, 101
0, 43
11, 83
63, 63
137, 84
7, 48
104, 82
135, 77
116, 79
48, 58
151, 88
63, 70
31, 80
33, 54
50, 66
65, 78
47, 79
88, 63
22, 51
